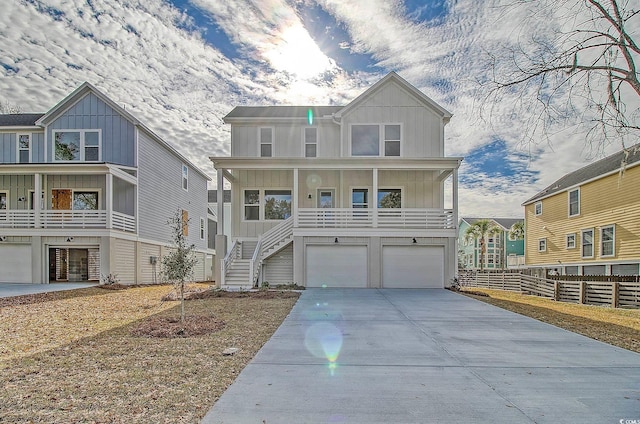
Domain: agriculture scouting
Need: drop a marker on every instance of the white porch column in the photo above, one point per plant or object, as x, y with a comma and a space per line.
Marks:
108, 199
221, 239
374, 197
455, 197
37, 195
294, 212
220, 201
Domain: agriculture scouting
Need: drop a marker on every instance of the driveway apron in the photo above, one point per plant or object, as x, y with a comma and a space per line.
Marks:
427, 356
20, 289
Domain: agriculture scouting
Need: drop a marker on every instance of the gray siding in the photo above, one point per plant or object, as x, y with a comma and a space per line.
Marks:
124, 199
278, 269
17, 186
7, 147
118, 133
37, 147
161, 194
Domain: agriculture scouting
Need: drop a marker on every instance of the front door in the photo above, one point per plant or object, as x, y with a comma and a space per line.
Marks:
61, 199
325, 198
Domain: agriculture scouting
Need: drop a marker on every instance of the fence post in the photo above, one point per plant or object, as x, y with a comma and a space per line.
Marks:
615, 289
556, 290
583, 292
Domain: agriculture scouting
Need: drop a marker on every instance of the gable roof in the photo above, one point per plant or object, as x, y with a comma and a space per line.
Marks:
505, 223
86, 88
392, 76
601, 168
19, 119
300, 112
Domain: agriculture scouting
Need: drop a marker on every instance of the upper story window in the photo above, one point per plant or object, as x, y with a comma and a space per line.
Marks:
185, 177
310, 142
77, 145
587, 243
24, 148
574, 202
538, 208
365, 139
607, 240
266, 142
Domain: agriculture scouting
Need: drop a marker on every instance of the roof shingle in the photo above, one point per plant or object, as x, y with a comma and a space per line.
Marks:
19, 119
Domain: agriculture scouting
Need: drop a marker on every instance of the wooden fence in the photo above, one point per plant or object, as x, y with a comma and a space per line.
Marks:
574, 290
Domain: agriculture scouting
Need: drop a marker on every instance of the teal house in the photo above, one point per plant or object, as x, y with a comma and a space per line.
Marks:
502, 251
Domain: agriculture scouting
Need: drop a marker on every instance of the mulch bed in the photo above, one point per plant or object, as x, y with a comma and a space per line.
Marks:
170, 327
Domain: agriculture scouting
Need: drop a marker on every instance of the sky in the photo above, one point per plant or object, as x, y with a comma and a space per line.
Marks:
181, 65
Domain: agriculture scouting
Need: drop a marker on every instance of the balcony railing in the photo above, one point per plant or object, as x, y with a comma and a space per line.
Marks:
425, 219
66, 219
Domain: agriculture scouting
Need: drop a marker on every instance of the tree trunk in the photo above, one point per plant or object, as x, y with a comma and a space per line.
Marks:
182, 302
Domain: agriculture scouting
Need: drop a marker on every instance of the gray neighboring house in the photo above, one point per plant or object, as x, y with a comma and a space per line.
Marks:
107, 185
213, 216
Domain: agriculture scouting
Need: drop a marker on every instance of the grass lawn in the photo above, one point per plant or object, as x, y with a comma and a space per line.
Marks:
70, 356
619, 327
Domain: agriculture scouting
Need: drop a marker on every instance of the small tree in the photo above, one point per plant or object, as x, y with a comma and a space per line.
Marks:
177, 265
479, 231
516, 231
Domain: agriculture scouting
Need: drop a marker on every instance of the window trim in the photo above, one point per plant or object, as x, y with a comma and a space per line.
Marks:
566, 241
83, 145
29, 149
261, 203
252, 205
84, 190
381, 138
260, 143
185, 177
569, 202
202, 229
368, 203
263, 195
612, 241
305, 143
535, 208
6, 198
582, 238
541, 242
32, 195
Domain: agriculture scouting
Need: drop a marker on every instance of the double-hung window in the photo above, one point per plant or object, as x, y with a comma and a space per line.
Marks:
366, 140
607, 240
266, 142
252, 205
310, 142
77, 145
542, 245
185, 177
4, 200
571, 241
24, 148
587, 243
202, 230
574, 202
538, 208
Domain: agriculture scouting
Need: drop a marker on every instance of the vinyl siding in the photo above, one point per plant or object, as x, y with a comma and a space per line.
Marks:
161, 194
149, 273
278, 269
610, 200
118, 133
123, 260
421, 126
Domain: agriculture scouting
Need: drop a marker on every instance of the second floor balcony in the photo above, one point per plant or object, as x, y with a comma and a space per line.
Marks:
359, 218
66, 219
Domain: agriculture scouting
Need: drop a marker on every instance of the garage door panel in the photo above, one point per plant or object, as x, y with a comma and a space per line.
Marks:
15, 262
413, 266
336, 266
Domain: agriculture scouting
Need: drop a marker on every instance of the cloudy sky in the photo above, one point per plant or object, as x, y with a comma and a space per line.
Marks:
181, 65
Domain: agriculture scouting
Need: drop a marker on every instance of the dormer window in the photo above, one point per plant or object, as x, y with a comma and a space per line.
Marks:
77, 145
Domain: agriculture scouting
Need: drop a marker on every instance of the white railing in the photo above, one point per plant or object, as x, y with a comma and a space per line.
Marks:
515, 261
228, 259
256, 262
121, 221
428, 219
11, 218
65, 219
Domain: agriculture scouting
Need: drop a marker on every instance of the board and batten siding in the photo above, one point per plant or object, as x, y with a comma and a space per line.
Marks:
17, 186
161, 193
607, 201
421, 126
9, 146
118, 133
278, 269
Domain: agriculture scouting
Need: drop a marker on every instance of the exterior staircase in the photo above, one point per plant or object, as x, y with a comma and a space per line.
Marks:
243, 263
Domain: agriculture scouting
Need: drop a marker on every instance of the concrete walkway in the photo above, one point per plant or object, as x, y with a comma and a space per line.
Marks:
427, 356
19, 289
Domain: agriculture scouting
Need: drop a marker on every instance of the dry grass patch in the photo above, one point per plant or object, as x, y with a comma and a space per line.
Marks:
619, 327
99, 372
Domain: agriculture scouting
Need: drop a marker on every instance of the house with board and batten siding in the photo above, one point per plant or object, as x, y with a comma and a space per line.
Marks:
86, 191
340, 196
588, 221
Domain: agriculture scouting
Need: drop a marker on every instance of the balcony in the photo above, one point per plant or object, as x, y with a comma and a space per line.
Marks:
399, 219
66, 219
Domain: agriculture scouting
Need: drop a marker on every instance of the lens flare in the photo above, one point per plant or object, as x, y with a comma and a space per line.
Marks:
324, 340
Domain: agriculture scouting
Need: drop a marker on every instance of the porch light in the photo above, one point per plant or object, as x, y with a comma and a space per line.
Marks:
3, 238
309, 196
336, 240
414, 240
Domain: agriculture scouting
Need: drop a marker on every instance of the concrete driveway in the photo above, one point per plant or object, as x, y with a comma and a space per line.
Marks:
19, 289
427, 356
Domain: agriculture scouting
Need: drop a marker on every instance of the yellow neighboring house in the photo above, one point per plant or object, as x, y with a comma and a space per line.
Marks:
588, 222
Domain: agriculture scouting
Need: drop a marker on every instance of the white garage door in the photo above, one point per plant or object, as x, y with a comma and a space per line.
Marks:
336, 266
413, 267
15, 263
